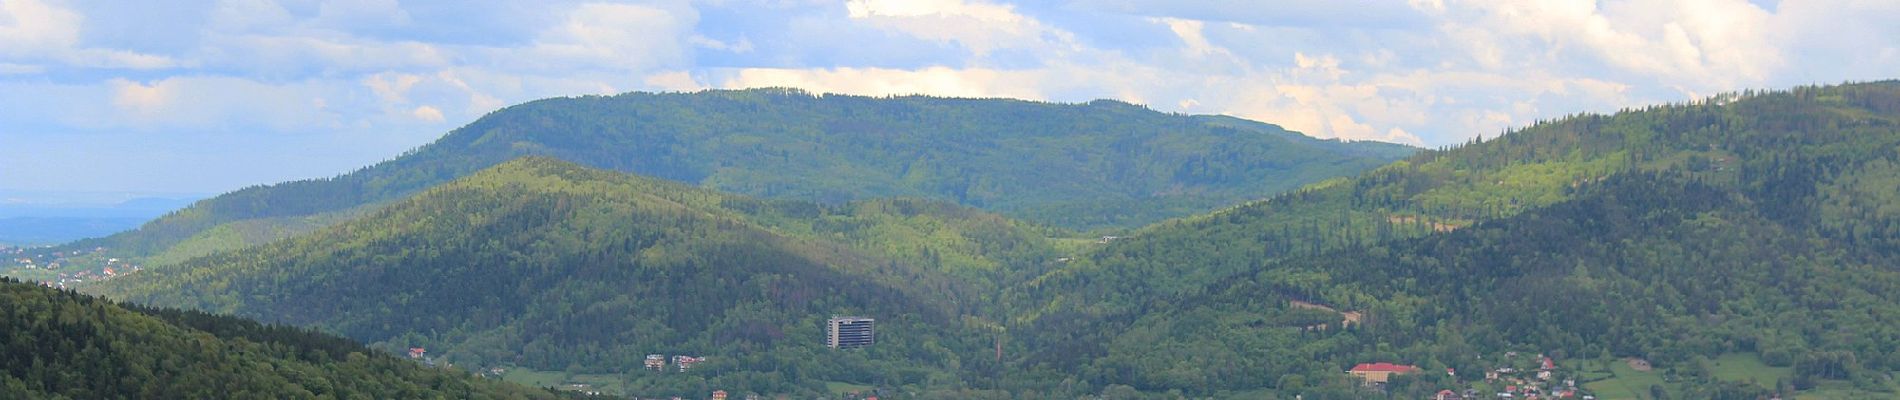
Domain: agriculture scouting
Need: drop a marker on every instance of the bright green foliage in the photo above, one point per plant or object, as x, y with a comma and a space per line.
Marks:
1762, 223
1753, 223
543, 264
1842, 133
64, 345
1661, 268
1101, 164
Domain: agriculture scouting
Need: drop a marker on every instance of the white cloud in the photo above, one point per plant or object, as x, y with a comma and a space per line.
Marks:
941, 81
1836, 40
1381, 14
980, 27
742, 45
212, 102
289, 53
678, 81
392, 87
35, 30
923, 8
29, 26
140, 99
1705, 44
1417, 71
427, 113
1190, 33
478, 100
615, 36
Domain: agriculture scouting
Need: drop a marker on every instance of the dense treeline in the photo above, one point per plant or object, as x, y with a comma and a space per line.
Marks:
542, 264
1757, 222
65, 345
1837, 143
1101, 164
1764, 223
1662, 268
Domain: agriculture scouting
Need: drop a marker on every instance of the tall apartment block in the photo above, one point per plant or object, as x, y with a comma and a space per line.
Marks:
849, 332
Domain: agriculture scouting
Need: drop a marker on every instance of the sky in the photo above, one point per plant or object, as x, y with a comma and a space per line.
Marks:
107, 100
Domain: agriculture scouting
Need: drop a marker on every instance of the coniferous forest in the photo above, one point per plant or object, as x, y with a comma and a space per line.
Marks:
1742, 246
1103, 164
65, 345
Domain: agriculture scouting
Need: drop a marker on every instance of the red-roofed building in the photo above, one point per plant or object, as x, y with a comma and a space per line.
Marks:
1380, 372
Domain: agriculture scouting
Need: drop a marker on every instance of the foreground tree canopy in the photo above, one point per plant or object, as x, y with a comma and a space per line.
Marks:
60, 344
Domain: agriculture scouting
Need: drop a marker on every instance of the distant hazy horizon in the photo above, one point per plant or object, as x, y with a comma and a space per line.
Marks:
205, 97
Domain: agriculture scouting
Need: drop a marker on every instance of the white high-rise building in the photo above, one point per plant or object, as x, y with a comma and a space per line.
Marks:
850, 332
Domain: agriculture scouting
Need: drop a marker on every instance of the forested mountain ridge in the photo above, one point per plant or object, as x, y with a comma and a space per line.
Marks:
1758, 225
1764, 224
544, 264
1741, 140
64, 345
1099, 164
1661, 268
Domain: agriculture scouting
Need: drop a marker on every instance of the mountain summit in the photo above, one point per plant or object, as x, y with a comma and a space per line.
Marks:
1099, 164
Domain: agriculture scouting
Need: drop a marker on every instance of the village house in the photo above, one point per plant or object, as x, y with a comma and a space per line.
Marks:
686, 362
1380, 373
655, 362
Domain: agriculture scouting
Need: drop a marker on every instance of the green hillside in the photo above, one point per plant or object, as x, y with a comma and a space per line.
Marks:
1726, 242
63, 345
1838, 137
545, 265
1663, 268
1100, 164
1761, 223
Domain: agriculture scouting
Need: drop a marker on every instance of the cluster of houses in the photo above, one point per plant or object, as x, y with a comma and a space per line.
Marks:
716, 395
1504, 382
657, 362
65, 268
1541, 383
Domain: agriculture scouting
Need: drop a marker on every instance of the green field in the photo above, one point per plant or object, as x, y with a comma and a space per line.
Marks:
534, 378
1838, 390
608, 384
1626, 383
843, 388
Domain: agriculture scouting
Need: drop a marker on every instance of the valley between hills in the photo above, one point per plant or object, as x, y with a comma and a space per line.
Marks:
1741, 246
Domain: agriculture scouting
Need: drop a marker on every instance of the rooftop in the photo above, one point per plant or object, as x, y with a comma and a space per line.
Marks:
1383, 367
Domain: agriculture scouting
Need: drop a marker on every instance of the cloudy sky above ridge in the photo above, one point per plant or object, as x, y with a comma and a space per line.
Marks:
199, 97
